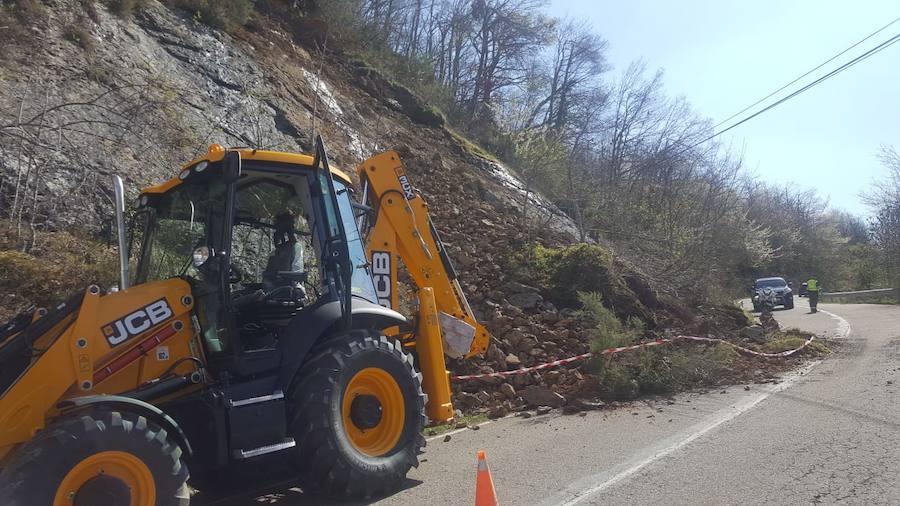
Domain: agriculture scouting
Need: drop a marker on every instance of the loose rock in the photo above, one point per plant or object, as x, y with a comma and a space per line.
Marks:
508, 390
498, 412
542, 396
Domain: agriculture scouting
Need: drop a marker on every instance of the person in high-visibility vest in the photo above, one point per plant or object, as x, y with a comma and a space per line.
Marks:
812, 289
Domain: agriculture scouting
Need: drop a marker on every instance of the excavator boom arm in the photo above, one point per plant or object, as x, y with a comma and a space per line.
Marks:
403, 231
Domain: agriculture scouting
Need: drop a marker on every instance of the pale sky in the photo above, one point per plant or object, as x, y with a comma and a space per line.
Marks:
724, 55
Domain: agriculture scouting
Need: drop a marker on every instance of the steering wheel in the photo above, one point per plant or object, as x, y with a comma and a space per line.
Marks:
235, 275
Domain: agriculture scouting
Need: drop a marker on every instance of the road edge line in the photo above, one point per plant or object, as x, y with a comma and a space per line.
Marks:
843, 325
463, 429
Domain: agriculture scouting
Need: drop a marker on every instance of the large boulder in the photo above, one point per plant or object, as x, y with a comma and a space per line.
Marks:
542, 396
525, 300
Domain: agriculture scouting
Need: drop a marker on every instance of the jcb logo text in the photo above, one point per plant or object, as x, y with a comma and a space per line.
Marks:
408, 191
137, 322
381, 274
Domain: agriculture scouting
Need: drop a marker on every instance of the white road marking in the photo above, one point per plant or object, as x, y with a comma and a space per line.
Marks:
697, 431
843, 328
457, 431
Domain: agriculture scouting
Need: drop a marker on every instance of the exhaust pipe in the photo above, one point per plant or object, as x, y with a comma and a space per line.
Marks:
120, 231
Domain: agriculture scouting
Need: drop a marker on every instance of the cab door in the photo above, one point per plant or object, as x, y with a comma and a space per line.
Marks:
338, 265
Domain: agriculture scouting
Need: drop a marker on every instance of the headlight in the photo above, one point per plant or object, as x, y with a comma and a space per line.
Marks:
201, 255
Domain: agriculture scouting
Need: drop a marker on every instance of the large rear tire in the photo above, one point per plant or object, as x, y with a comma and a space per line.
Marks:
358, 415
103, 458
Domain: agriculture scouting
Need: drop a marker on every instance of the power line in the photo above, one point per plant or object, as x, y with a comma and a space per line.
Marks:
810, 71
867, 54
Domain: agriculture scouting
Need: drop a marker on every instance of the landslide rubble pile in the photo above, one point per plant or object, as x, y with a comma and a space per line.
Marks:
484, 237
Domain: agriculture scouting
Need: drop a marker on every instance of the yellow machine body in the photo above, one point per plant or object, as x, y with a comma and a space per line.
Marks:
109, 345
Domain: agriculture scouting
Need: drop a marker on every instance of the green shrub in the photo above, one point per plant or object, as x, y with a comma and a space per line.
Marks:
24, 10
126, 8
664, 370
90, 9
616, 381
561, 273
603, 326
17, 19
650, 370
701, 365
80, 36
222, 14
605, 330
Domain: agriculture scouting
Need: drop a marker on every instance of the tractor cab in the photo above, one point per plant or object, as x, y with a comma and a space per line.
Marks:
261, 237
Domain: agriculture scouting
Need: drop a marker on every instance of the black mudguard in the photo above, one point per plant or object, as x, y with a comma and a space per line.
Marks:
132, 406
316, 323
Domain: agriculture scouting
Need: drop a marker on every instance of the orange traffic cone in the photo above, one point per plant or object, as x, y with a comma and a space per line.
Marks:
484, 484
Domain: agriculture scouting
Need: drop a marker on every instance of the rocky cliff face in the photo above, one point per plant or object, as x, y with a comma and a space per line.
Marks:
89, 94
92, 94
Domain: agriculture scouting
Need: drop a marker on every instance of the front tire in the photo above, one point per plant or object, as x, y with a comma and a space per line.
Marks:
98, 458
358, 416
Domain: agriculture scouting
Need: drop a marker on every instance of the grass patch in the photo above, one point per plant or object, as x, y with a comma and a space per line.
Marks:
441, 428
472, 147
61, 264
221, 14
126, 8
794, 339
79, 36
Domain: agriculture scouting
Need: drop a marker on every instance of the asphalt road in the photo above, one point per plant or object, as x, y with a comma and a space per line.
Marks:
825, 434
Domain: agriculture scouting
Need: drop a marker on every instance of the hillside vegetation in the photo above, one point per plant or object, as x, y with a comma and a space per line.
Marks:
551, 176
628, 163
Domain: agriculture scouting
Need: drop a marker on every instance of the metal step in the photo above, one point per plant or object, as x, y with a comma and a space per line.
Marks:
276, 395
240, 454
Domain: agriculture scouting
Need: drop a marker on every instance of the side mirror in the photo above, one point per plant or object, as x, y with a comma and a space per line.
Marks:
231, 166
791, 284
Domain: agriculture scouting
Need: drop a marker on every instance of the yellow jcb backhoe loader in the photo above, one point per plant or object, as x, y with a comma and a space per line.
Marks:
253, 316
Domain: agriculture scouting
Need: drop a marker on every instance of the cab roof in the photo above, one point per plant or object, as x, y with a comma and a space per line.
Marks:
217, 153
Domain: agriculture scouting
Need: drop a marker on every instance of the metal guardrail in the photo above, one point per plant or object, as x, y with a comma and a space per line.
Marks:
860, 296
